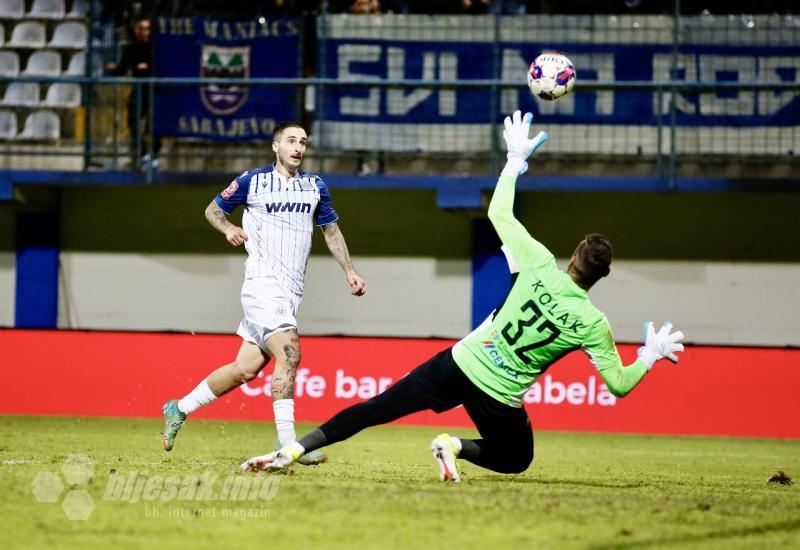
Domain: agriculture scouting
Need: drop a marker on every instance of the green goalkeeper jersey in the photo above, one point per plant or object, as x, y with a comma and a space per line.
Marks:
544, 317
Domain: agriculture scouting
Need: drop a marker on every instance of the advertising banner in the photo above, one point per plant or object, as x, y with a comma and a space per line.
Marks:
602, 48
194, 47
712, 391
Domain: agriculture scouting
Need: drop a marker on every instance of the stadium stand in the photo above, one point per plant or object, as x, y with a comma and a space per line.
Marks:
28, 34
43, 63
77, 64
47, 9
12, 9
79, 9
69, 34
8, 125
9, 63
41, 125
63, 95
21, 94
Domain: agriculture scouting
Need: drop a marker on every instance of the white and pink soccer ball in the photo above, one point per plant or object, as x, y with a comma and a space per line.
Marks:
551, 75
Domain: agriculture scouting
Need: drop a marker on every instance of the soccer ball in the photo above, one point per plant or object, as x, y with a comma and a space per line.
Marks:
551, 75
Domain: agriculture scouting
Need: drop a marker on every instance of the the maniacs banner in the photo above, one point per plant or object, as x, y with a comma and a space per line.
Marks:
603, 48
712, 391
186, 47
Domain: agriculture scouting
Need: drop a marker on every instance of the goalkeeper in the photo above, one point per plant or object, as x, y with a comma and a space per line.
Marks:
546, 314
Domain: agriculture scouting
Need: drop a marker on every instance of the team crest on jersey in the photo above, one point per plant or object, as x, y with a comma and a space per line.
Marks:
224, 62
230, 190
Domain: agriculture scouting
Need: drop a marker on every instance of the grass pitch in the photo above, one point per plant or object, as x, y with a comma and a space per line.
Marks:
380, 490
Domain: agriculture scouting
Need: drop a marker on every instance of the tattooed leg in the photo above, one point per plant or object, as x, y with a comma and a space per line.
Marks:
285, 347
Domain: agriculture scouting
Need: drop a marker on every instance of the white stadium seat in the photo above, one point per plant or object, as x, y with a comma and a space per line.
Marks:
42, 125
9, 63
47, 9
12, 9
69, 35
8, 125
27, 34
77, 64
79, 9
63, 95
43, 63
21, 94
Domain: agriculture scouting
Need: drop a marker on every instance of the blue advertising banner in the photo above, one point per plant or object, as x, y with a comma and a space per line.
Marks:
196, 47
421, 118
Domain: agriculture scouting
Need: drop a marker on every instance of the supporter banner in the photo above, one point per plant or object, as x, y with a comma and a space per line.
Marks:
601, 48
713, 391
189, 47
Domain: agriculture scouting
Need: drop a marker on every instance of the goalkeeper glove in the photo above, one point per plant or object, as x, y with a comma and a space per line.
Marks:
519, 146
660, 345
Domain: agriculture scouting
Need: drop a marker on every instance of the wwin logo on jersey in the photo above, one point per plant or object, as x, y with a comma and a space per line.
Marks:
299, 207
224, 62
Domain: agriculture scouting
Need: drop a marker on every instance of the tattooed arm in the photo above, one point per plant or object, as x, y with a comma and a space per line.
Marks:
216, 217
335, 241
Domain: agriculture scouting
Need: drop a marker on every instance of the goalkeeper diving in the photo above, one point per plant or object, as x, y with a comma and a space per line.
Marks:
546, 314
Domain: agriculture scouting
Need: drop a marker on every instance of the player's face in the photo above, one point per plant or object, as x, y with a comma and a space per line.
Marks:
290, 148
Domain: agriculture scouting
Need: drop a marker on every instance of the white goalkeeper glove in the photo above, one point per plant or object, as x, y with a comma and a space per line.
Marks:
519, 146
660, 345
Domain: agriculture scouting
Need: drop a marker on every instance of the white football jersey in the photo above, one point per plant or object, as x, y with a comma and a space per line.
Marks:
279, 217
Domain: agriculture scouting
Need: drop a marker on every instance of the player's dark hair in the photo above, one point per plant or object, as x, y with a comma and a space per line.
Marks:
276, 133
593, 257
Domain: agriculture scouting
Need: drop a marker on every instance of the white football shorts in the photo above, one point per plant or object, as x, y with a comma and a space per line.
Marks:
268, 309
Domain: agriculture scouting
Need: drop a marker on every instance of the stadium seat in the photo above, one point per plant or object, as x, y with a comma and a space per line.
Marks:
47, 9
41, 125
9, 63
63, 95
77, 64
27, 34
43, 63
79, 9
8, 125
12, 9
21, 94
2, 34
69, 35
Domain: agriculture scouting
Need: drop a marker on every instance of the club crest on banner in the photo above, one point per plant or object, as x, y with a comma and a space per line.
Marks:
224, 62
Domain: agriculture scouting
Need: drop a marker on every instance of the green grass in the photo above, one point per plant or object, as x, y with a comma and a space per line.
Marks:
380, 489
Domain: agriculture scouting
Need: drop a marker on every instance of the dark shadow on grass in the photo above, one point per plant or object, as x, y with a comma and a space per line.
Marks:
712, 536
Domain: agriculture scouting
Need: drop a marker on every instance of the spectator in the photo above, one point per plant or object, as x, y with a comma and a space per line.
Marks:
475, 6
137, 59
365, 7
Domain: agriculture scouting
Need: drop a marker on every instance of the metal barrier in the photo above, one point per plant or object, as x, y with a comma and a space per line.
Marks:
691, 112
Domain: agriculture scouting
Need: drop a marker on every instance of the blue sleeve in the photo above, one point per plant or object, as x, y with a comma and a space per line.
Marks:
235, 194
325, 213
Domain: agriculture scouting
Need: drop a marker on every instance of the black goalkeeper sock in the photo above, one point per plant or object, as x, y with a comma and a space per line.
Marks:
470, 450
313, 440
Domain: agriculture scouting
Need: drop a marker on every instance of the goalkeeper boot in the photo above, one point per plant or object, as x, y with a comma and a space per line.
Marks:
173, 421
445, 453
313, 458
274, 461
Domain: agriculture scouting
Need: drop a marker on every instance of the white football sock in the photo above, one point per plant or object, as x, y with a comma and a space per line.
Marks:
198, 397
284, 420
457, 444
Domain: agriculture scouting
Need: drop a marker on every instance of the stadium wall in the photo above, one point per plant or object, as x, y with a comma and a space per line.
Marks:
144, 258
712, 302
